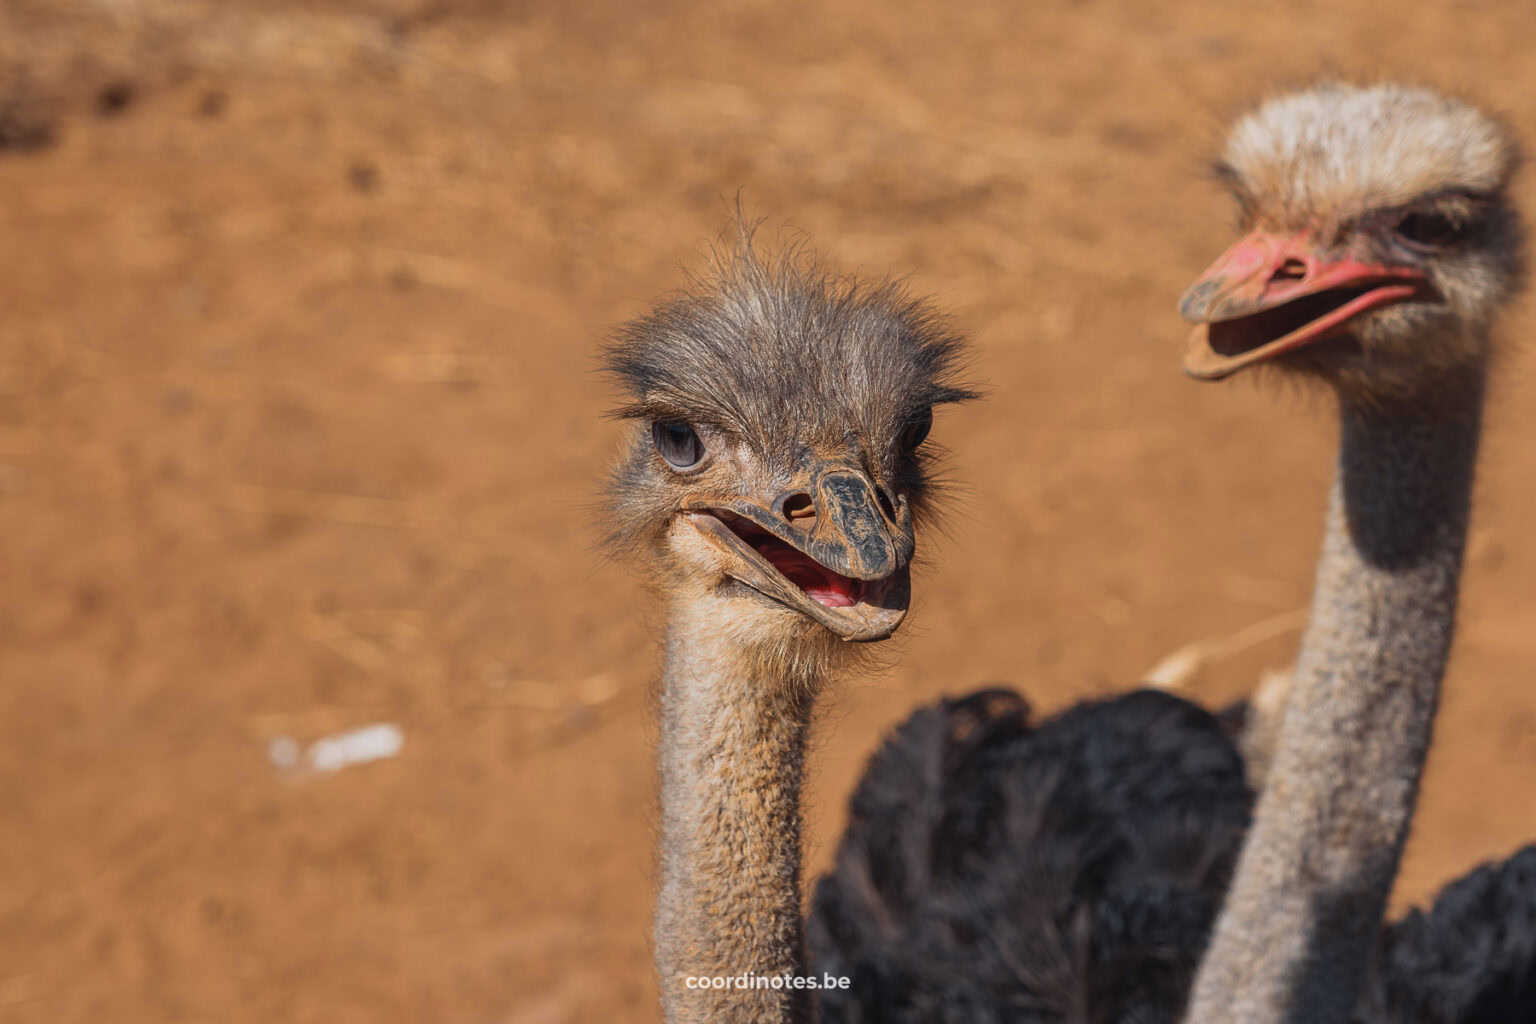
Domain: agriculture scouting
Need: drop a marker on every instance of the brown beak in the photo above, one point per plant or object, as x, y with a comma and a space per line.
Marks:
842, 558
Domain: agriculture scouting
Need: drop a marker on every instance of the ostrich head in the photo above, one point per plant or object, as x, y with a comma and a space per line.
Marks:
778, 460
1378, 242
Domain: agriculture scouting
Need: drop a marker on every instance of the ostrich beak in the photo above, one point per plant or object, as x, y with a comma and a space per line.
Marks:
827, 546
1273, 293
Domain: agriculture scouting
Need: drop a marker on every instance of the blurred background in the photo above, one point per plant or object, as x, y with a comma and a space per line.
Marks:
299, 429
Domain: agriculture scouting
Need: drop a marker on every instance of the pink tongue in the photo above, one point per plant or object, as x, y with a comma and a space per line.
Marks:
821, 585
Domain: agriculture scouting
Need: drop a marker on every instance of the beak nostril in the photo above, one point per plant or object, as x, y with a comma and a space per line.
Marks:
1290, 270
799, 509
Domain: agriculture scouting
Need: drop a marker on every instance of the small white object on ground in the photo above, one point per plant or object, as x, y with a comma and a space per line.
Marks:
335, 752
356, 746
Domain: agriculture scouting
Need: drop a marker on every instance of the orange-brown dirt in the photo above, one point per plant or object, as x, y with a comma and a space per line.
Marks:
299, 431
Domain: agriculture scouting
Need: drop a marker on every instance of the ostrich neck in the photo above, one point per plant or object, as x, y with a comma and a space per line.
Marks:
1306, 902
733, 736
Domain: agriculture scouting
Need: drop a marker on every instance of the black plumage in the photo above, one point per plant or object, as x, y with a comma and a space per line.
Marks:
997, 869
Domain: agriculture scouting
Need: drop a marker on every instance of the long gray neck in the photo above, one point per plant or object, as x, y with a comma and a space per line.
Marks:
733, 737
1301, 919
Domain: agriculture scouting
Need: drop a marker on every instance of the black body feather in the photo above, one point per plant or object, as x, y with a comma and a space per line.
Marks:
999, 870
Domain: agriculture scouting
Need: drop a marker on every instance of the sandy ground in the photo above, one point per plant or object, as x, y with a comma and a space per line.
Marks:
299, 431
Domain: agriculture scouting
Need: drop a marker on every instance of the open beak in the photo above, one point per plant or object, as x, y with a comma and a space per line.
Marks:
1272, 293
829, 548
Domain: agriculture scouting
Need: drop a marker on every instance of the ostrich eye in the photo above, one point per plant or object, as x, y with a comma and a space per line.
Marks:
916, 431
678, 443
1427, 228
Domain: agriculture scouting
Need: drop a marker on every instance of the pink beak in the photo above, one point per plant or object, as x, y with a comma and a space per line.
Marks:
1271, 293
